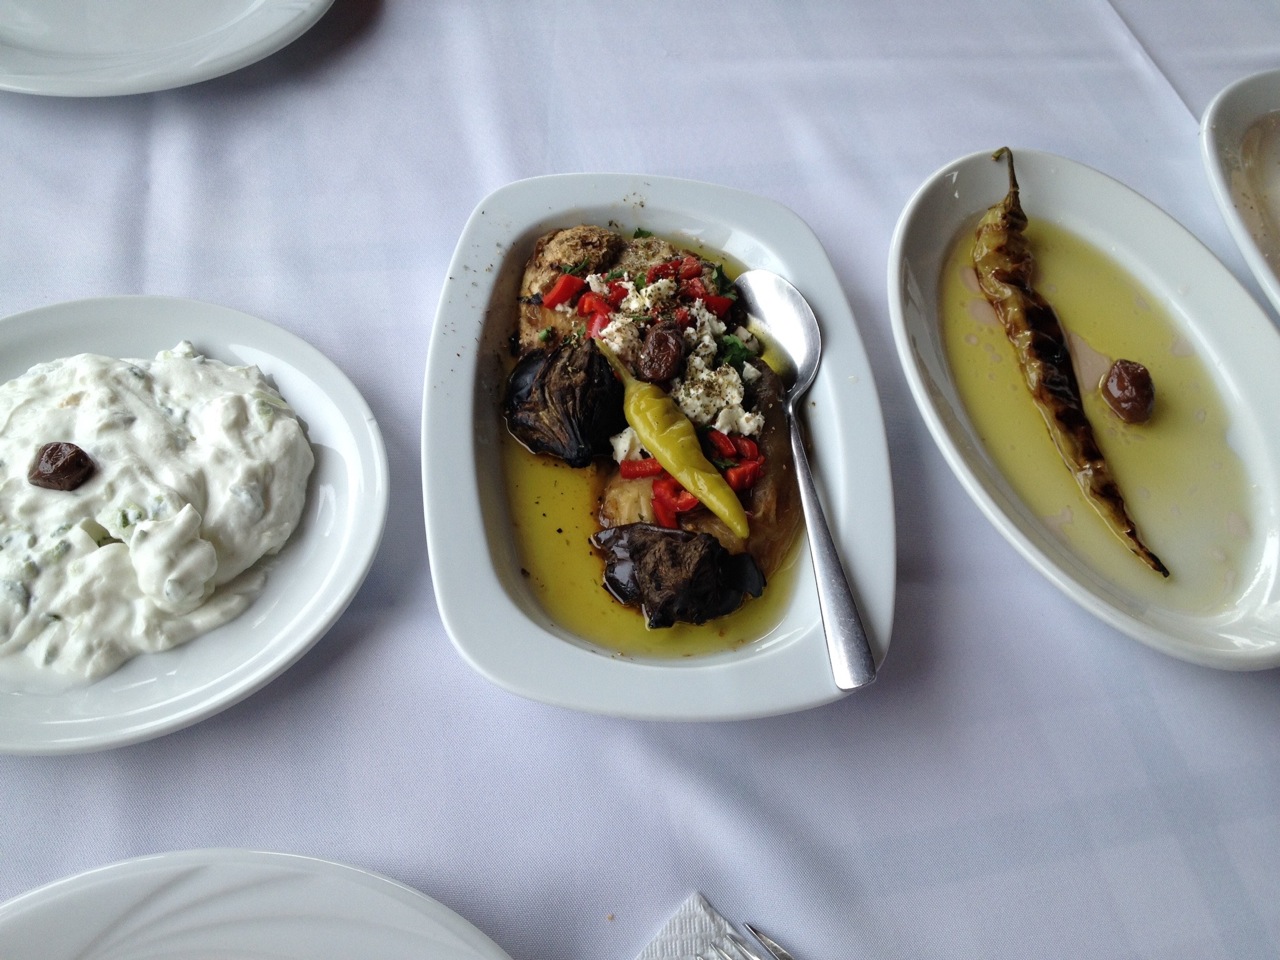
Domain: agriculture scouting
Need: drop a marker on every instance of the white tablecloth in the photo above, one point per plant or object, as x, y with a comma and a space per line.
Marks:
1022, 780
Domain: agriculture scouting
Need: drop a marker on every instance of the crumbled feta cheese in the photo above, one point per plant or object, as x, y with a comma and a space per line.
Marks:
627, 446
750, 374
643, 300
705, 322
597, 284
736, 420
703, 392
702, 335
624, 337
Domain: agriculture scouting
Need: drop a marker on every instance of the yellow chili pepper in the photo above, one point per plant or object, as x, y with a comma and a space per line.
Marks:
1002, 258
670, 436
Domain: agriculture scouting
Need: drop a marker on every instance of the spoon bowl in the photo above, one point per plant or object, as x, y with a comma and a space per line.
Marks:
780, 316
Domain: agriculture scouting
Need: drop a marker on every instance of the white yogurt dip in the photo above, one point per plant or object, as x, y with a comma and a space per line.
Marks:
200, 471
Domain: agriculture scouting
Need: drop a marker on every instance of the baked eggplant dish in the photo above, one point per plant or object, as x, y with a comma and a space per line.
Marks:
633, 359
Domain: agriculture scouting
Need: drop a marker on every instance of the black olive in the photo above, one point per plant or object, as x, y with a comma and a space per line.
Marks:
60, 466
1128, 390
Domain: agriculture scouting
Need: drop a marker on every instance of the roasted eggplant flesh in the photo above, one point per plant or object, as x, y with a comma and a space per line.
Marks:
565, 402
675, 575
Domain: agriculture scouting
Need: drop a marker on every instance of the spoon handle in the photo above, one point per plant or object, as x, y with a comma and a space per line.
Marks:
852, 662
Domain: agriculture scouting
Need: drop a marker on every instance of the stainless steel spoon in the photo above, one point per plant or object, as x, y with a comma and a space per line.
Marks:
785, 321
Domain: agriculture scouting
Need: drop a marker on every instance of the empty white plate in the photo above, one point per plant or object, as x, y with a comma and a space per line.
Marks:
235, 905
87, 48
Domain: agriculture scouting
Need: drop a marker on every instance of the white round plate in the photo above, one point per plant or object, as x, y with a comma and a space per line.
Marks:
1213, 312
87, 48
309, 583
489, 611
234, 905
1240, 145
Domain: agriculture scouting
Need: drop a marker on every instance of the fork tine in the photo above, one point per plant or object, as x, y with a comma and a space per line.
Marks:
740, 945
720, 950
771, 945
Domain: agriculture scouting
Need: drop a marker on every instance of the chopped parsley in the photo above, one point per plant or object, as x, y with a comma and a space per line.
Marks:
733, 352
723, 284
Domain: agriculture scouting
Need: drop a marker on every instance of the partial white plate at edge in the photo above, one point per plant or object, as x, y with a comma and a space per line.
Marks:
235, 904
82, 48
1240, 343
488, 611
1246, 187
309, 584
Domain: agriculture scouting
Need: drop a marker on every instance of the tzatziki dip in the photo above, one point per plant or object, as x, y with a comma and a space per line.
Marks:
188, 472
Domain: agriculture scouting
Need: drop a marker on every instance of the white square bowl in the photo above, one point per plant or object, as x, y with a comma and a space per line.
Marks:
491, 615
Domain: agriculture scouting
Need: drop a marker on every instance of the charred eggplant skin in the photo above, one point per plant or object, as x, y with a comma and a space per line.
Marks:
565, 402
675, 575
1004, 264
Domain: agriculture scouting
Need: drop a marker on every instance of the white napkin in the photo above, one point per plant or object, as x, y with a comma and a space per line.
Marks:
689, 933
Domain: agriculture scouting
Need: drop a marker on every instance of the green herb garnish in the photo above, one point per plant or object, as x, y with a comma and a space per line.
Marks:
733, 352
723, 284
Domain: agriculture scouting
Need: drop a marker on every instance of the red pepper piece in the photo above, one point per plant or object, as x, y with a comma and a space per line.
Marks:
716, 304
682, 317
617, 293
695, 289
597, 322
636, 469
746, 448
563, 290
670, 499
744, 475
689, 268
665, 514
724, 447
686, 501
662, 271
591, 302
665, 488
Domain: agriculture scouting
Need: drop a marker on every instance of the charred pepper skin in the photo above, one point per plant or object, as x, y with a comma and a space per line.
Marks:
1002, 258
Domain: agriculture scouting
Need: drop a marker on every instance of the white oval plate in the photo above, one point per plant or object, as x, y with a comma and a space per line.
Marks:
87, 48
309, 583
1240, 145
235, 905
1228, 329
491, 615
